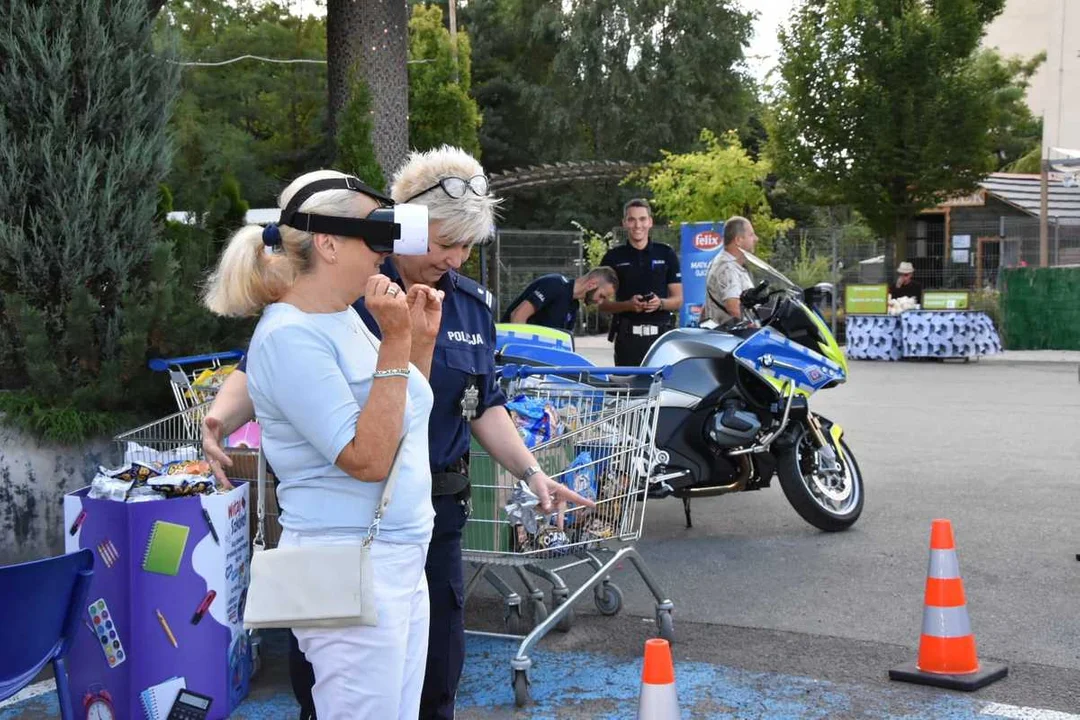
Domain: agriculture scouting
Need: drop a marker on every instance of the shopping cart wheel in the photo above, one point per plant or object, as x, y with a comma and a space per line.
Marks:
515, 623
521, 688
665, 626
566, 622
608, 598
255, 648
539, 611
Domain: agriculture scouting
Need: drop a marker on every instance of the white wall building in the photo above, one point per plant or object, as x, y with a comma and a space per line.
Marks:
1027, 27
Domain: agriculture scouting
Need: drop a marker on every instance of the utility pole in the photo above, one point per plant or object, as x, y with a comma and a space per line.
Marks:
452, 5
1044, 215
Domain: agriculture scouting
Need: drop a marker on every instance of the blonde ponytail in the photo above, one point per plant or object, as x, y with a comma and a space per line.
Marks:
247, 278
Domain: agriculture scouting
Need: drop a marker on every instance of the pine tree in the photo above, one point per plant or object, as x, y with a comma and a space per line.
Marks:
356, 153
86, 280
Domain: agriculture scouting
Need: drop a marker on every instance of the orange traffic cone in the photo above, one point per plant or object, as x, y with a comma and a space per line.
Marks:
947, 656
658, 699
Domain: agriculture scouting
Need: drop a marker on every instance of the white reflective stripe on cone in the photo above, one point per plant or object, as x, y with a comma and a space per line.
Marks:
943, 565
658, 702
948, 622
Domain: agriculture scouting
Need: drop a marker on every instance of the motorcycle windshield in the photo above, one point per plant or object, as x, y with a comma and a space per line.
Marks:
762, 271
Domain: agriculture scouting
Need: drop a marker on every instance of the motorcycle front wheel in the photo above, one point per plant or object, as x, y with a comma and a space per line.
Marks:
829, 499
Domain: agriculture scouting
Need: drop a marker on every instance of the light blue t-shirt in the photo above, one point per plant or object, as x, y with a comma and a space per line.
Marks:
309, 375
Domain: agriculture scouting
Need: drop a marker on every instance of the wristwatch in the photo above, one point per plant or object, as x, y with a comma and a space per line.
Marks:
529, 472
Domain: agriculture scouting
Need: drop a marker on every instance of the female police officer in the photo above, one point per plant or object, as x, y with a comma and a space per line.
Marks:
451, 183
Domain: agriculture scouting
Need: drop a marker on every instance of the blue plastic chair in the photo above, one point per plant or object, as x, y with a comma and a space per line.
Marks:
44, 601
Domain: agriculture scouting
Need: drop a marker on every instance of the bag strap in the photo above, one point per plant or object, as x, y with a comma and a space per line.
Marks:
387, 494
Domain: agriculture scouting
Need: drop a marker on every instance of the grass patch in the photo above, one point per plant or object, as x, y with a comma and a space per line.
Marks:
63, 425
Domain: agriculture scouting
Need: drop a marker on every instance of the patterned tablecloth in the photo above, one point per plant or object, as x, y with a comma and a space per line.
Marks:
874, 337
923, 334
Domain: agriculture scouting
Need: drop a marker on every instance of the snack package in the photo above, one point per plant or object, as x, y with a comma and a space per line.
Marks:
104, 487
594, 531
552, 541
136, 472
532, 420
182, 485
580, 477
210, 380
187, 467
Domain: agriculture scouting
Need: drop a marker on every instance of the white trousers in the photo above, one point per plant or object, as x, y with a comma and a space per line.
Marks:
373, 672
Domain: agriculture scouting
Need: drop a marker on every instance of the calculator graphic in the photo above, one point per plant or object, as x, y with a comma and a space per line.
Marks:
190, 706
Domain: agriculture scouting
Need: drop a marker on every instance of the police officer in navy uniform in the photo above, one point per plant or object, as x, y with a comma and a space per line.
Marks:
650, 287
467, 398
553, 300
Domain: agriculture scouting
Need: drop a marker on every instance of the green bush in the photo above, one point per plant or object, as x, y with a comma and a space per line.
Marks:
93, 281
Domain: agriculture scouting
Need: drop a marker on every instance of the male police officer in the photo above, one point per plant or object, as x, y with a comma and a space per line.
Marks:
650, 287
452, 185
552, 300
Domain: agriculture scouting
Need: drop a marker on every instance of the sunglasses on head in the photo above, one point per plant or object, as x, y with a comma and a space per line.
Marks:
456, 187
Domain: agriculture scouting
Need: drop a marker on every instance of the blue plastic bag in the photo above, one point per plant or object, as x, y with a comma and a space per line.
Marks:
533, 418
580, 476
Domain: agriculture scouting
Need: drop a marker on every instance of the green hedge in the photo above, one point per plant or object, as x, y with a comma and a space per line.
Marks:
1041, 308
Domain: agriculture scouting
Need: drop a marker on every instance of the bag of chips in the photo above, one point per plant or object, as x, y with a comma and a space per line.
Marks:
580, 477
532, 419
183, 485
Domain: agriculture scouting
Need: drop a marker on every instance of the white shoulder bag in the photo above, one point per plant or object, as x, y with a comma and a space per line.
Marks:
315, 586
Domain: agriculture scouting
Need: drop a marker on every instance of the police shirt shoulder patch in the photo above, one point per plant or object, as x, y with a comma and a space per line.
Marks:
475, 289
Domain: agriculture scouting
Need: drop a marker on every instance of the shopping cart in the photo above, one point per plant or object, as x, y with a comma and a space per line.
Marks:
603, 446
179, 436
195, 378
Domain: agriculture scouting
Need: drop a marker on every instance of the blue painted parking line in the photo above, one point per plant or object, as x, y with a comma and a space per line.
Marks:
605, 687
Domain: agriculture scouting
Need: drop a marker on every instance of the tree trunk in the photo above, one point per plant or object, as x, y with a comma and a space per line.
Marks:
371, 37
899, 246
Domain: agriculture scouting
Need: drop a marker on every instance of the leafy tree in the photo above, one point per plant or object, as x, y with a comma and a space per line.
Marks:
1014, 131
635, 76
83, 149
356, 154
441, 109
606, 80
514, 43
878, 105
256, 121
712, 184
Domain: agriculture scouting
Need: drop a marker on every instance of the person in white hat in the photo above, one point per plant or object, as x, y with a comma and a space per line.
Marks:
905, 285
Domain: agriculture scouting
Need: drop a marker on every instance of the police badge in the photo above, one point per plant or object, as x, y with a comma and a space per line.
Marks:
470, 400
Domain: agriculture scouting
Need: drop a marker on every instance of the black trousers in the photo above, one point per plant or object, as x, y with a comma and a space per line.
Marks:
446, 639
630, 349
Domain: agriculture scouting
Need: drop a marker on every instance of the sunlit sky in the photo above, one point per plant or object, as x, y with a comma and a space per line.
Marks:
761, 55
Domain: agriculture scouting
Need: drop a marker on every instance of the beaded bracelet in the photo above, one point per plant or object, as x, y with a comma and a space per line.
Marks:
393, 372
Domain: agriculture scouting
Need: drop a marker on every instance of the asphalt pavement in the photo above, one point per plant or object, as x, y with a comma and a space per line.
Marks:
776, 620
992, 446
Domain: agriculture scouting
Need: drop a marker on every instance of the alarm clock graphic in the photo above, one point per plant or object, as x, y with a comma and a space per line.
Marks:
98, 704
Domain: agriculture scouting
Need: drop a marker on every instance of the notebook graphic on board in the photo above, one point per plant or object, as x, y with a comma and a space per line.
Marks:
165, 548
158, 699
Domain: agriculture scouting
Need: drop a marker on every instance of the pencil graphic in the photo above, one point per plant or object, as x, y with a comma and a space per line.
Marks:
166, 628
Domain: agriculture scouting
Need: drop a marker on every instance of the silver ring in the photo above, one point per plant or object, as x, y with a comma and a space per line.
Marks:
392, 290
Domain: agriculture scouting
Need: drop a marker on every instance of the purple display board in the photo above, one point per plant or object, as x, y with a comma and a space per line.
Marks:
166, 602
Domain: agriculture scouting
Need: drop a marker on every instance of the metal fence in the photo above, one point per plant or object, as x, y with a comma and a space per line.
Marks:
970, 257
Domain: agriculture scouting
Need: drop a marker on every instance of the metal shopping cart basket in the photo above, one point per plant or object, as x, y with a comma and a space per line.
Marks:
180, 435
195, 378
603, 446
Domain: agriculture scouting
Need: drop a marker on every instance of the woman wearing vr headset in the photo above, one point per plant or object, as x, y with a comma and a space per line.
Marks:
334, 401
453, 187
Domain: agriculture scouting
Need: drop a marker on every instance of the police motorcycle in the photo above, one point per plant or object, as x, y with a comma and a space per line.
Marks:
735, 407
